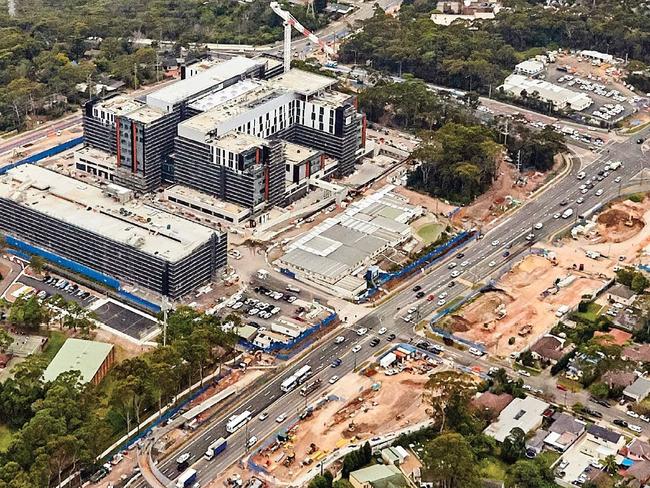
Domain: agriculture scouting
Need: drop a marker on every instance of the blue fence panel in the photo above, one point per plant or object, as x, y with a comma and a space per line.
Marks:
277, 346
44, 154
288, 273
423, 262
141, 301
63, 262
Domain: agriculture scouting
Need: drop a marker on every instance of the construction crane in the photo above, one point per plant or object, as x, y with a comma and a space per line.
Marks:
289, 22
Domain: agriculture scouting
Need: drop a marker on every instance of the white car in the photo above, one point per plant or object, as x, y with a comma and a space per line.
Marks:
443, 295
523, 372
253, 311
452, 265
495, 242
356, 349
382, 331
600, 192
333, 379
183, 458
580, 200
492, 264
251, 442
632, 413
644, 418
339, 339
618, 179
556, 216
454, 274
635, 428
441, 303
361, 331
538, 225
292, 299
464, 263
584, 190
263, 416
237, 305
475, 351
281, 418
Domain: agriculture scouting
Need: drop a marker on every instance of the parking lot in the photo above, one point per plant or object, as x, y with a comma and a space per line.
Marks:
132, 323
610, 103
263, 303
51, 286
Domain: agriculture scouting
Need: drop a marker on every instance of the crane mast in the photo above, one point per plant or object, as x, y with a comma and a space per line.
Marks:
289, 22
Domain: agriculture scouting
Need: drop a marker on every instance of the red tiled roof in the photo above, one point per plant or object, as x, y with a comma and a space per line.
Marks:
490, 401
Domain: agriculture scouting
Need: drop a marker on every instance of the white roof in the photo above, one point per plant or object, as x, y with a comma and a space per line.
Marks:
195, 85
530, 65
597, 55
525, 413
548, 91
146, 228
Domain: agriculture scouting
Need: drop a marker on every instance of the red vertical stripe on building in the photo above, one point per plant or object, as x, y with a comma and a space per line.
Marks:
364, 124
322, 161
308, 169
134, 147
119, 147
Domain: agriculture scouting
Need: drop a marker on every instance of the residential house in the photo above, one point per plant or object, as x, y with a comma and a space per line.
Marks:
535, 444
618, 378
638, 390
639, 353
492, 403
548, 348
621, 294
639, 471
615, 337
564, 431
637, 450
525, 413
602, 442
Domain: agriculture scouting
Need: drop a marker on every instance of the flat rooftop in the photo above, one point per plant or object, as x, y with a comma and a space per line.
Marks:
303, 82
237, 142
206, 201
219, 97
121, 105
146, 115
296, 153
78, 355
146, 228
184, 89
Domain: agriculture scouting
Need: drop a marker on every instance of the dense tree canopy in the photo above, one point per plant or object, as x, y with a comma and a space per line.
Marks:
457, 162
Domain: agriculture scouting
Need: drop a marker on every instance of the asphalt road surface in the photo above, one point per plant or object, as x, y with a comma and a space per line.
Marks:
479, 253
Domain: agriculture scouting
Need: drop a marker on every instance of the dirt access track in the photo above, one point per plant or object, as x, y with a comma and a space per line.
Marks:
363, 407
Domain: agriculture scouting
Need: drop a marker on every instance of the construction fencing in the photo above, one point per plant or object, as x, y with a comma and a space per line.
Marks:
34, 158
421, 263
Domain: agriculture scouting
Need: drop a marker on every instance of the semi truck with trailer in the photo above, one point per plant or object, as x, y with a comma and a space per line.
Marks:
217, 447
186, 478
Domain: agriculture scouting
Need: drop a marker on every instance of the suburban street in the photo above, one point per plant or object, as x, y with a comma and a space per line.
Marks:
510, 233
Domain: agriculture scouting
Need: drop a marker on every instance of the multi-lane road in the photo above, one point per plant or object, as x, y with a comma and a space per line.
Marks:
508, 235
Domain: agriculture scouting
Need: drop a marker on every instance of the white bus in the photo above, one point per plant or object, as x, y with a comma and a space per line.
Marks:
289, 384
302, 373
236, 422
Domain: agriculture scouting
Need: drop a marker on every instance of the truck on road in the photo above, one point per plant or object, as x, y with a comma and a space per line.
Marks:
186, 478
567, 213
308, 388
217, 447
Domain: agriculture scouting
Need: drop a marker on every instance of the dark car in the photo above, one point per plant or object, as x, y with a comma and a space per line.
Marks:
564, 203
460, 255
594, 413
620, 422
374, 342
417, 288
390, 337
424, 345
336, 363
102, 473
419, 294
451, 283
640, 140
603, 403
506, 254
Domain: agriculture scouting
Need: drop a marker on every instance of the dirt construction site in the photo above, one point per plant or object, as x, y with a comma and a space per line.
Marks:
525, 300
357, 408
